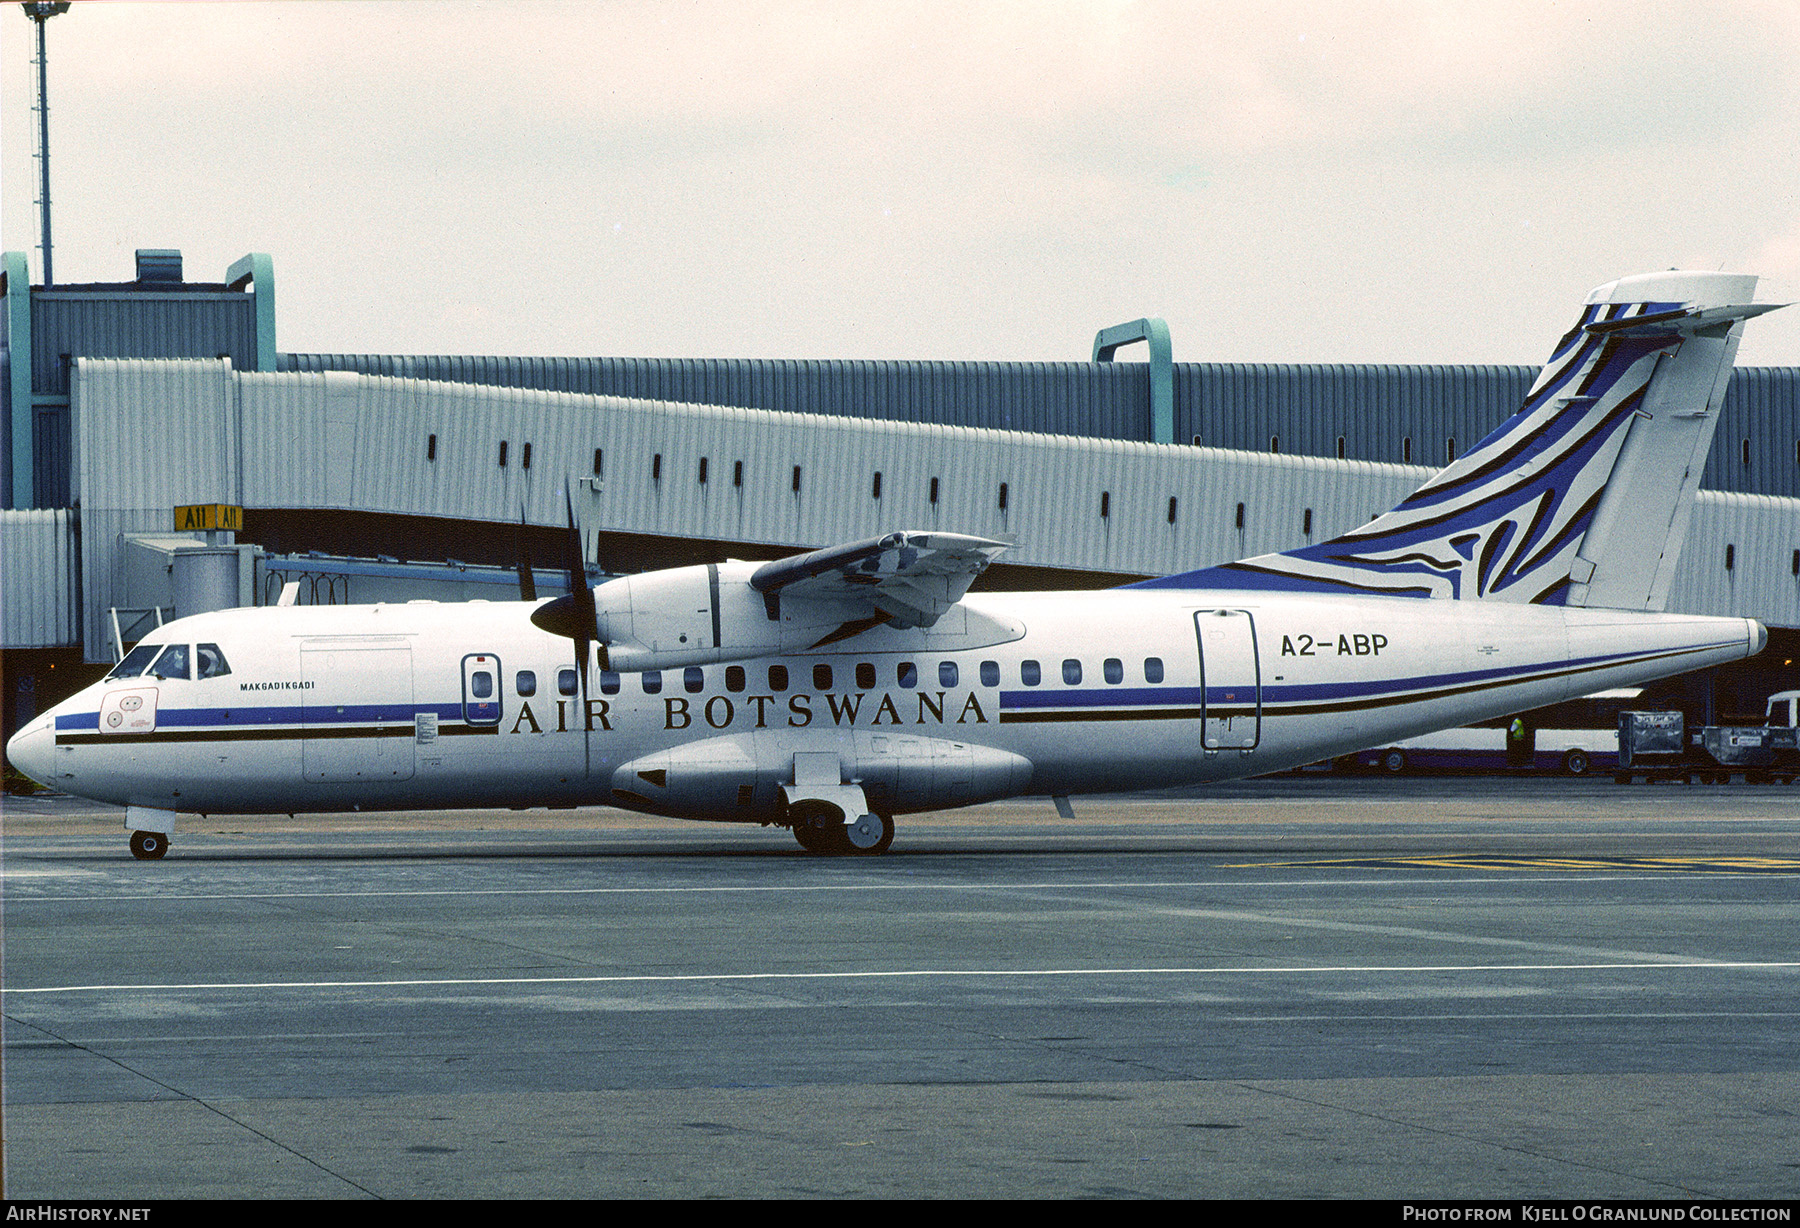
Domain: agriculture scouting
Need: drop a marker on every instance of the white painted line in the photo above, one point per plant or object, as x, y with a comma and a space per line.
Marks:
913, 974
11, 873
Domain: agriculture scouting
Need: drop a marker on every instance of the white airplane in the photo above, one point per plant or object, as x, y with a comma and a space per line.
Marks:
831, 691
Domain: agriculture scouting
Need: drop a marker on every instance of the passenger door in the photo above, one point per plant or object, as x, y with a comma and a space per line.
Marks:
1230, 679
481, 689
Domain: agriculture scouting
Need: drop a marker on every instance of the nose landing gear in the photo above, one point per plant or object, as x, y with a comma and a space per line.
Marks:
149, 827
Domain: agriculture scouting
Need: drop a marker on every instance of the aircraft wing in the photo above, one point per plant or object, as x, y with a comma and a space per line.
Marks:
904, 579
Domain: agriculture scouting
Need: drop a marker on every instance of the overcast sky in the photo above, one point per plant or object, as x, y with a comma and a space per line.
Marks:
1281, 181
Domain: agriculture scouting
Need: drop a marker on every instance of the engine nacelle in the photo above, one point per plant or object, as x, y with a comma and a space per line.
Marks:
700, 615
908, 584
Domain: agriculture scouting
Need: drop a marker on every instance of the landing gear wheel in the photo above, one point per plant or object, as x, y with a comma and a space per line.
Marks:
1575, 763
149, 845
811, 839
870, 835
1393, 760
819, 828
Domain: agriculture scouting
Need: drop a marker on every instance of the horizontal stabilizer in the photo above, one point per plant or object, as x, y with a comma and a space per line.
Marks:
1695, 318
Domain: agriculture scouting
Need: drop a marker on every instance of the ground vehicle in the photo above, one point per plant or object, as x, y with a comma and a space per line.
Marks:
1576, 736
1661, 746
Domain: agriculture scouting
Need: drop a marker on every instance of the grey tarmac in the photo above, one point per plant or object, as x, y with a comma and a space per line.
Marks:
1302, 986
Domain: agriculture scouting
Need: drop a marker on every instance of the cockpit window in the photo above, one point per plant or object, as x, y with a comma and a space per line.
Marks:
173, 663
211, 662
136, 661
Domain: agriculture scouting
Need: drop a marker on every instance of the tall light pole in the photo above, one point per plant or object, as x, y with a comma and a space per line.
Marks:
41, 11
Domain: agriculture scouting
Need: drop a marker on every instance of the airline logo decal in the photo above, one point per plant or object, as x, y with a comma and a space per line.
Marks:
1506, 519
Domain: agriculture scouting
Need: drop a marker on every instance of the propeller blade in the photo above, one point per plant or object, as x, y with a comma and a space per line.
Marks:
522, 549
574, 617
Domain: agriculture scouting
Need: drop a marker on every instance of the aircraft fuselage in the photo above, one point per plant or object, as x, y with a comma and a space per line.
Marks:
421, 706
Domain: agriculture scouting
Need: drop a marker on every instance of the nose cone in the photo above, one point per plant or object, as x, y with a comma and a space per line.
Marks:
31, 748
1759, 636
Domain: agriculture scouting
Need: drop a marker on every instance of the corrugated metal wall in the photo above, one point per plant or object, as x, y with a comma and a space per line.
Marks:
1742, 556
1384, 413
119, 321
166, 433
151, 436
158, 434
52, 455
1108, 400
651, 481
37, 584
1387, 413
135, 323
1757, 449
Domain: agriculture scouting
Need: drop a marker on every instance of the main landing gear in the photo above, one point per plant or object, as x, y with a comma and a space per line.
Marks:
820, 828
148, 845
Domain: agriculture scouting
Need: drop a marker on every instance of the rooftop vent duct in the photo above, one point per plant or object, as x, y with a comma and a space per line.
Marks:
158, 264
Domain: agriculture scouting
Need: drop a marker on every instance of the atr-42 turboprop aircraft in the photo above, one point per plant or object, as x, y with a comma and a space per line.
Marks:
830, 691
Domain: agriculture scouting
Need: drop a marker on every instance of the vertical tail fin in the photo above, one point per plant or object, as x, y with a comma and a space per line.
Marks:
1583, 496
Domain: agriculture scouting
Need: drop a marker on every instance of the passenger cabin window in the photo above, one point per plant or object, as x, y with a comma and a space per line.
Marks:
907, 674
652, 680
1153, 669
778, 678
693, 679
990, 673
734, 678
947, 673
1114, 670
865, 675
173, 663
1030, 673
821, 677
567, 682
609, 682
525, 683
136, 661
481, 684
1071, 671
211, 661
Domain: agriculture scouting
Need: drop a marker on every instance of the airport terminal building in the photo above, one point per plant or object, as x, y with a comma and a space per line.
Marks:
163, 457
